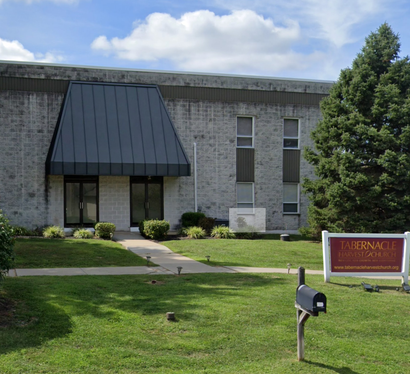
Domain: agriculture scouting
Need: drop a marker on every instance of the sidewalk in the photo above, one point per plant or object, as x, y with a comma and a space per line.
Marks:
167, 260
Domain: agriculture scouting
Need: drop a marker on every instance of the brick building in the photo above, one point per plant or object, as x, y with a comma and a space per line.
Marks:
86, 144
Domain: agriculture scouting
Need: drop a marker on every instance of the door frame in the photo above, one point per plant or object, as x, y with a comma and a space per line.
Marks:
146, 181
81, 180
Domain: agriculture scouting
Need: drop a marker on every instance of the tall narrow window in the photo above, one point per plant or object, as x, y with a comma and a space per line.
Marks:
244, 132
245, 197
291, 198
80, 201
290, 133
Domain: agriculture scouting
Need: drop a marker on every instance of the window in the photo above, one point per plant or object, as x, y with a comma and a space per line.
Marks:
290, 198
244, 197
290, 133
244, 132
80, 201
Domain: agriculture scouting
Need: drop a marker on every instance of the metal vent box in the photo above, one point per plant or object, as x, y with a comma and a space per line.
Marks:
310, 299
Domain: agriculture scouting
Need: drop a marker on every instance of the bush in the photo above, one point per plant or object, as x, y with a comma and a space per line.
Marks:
248, 235
156, 229
83, 234
190, 219
6, 246
207, 223
22, 231
222, 232
104, 230
183, 231
54, 232
141, 227
195, 232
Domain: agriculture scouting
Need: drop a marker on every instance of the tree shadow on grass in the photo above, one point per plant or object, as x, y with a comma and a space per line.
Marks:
45, 306
29, 320
343, 370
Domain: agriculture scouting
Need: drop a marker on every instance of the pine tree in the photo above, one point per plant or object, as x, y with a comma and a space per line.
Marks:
362, 145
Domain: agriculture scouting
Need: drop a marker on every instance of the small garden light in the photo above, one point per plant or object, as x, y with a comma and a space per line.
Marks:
179, 269
289, 265
207, 258
148, 258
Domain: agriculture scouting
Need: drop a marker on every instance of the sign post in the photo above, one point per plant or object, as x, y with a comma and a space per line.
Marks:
352, 255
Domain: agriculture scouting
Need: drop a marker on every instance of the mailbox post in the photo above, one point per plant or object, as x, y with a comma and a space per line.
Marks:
309, 302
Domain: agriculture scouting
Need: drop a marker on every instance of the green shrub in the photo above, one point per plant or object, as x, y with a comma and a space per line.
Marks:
22, 231
54, 232
183, 231
83, 234
207, 223
141, 227
195, 232
248, 235
222, 232
6, 246
104, 230
190, 219
156, 229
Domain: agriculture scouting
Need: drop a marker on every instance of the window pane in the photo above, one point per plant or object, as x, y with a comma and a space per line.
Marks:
244, 142
72, 203
290, 193
244, 193
90, 203
138, 202
290, 143
245, 126
290, 128
154, 198
290, 208
245, 208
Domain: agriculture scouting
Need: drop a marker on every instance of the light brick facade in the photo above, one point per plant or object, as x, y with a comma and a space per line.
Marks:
27, 120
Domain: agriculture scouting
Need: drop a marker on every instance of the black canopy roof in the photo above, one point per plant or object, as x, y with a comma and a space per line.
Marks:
115, 129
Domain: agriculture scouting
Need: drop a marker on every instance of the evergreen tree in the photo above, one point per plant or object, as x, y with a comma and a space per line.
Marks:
362, 155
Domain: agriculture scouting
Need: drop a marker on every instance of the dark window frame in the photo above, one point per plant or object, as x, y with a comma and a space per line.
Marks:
146, 181
81, 179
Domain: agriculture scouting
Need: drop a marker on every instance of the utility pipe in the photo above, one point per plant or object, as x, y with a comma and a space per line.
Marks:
195, 181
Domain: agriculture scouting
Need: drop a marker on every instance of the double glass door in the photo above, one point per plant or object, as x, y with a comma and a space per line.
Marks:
81, 202
146, 199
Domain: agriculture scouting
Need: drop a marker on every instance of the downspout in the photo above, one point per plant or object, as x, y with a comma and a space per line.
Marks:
195, 181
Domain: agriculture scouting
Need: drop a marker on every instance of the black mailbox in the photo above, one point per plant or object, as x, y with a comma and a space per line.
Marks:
310, 299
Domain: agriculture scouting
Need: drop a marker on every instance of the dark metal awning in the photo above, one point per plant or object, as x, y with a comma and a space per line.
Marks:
115, 129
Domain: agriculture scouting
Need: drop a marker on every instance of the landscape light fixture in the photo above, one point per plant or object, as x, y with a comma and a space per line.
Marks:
289, 265
179, 269
207, 258
367, 287
406, 287
148, 258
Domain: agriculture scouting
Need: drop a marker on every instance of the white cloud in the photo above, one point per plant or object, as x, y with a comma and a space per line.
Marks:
15, 51
329, 20
242, 41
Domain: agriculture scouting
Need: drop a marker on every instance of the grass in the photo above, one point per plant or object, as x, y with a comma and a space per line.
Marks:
267, 252
226, 323
55, 253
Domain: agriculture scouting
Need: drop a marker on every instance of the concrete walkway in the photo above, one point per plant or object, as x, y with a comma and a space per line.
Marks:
167, 260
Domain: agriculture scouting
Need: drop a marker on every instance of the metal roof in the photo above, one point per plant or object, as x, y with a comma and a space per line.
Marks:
115, 129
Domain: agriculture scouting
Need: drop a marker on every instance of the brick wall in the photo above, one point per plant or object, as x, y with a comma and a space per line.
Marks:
27, 122
115, 201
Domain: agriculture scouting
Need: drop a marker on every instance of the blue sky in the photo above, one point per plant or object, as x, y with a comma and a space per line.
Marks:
310, 39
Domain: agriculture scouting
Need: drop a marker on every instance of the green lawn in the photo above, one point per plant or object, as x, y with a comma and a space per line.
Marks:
227, 323
267, 252
55, 253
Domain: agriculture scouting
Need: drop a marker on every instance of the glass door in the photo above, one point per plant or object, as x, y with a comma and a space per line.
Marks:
80, 202
146, 199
